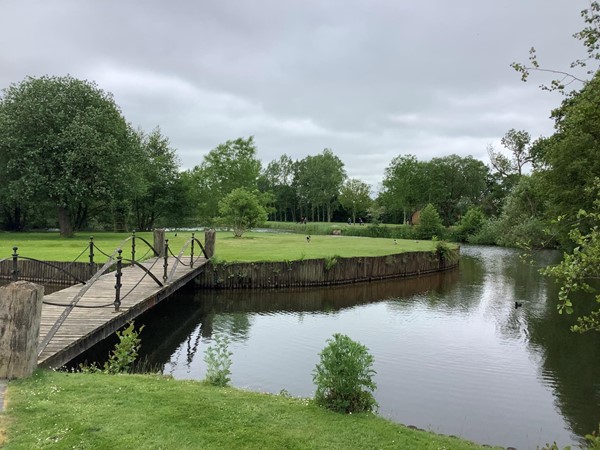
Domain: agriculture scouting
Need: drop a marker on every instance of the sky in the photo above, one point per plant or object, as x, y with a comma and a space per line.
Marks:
371, 80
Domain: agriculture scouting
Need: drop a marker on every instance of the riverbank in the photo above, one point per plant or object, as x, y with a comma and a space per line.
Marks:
73, 410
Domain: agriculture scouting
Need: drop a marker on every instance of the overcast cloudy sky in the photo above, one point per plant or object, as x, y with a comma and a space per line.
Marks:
369, 79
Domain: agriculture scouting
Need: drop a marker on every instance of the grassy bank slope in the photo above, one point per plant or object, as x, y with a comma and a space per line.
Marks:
251, 247
85, 411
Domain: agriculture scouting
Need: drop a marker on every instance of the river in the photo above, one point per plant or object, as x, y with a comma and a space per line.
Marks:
452, 353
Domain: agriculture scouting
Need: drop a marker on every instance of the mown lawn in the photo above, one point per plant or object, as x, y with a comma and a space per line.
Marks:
253, 246
97, 411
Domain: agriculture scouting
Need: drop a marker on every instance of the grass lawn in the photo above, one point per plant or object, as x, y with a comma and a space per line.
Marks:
97, 411
252, 246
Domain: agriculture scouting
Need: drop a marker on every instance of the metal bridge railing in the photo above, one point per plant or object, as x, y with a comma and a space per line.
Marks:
114, 260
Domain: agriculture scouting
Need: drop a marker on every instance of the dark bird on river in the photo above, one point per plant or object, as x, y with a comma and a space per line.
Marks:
518, 305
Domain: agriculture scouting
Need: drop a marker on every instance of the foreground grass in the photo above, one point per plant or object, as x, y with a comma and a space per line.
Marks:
250, 247
97, 411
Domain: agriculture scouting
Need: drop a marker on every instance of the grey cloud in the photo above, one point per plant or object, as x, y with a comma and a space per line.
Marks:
369, 79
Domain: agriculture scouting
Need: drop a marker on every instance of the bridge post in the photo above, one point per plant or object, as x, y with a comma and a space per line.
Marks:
192, 252
118, 284
92, 269
15, 265
166, 263
209, 242
133, 247
20, 315
159, 241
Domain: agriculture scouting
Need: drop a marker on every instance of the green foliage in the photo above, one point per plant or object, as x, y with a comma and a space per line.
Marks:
125, 353
443, 250
65, 411
159, 191
123, 356
344, 376
229, 166
430, 224
318, 182
453, 183
241, 210
487, 235
470, 224
593, 440
330, 262
579, 269
355, 196
64, 143
218, 362
589, 37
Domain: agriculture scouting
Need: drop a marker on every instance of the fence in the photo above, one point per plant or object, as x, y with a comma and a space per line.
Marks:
41, 273
323, 272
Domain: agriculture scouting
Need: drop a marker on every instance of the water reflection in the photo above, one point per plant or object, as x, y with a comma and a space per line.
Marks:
452, 352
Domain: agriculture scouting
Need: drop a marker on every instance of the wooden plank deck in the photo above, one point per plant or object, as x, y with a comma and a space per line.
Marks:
85, 327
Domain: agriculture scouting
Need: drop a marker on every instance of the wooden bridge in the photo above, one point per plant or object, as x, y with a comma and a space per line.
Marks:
76, 318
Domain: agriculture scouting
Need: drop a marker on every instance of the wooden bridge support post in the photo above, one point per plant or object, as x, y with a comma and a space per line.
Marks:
20, 316
159, 241
209, 242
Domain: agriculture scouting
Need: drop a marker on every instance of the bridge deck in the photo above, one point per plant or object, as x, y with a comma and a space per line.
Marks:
85, 327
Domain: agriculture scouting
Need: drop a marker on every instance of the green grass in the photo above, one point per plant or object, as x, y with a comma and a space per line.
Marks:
251, 246
97, 411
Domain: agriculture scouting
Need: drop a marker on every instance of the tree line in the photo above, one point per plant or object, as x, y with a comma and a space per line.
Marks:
69, 158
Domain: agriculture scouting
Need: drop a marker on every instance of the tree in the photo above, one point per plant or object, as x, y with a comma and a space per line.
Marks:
454, 184
569, 160
589, 36
403, 185
517, 142
580, 269
158, 167
319, 179
64, 140
344, 376
227, 167
355, 196
279, 178
430, 223
241, 210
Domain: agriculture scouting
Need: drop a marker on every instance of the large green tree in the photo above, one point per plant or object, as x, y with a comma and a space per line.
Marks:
403, 186
158, 188
62, 140
241, 210
279, 179
229, 166
355, 196
451, 183
319, 179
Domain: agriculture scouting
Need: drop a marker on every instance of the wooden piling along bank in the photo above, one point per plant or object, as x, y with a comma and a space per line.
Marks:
41, 273
323, 272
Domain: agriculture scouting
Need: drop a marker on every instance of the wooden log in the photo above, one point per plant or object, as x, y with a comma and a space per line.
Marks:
159, 241
210, 242
20, 316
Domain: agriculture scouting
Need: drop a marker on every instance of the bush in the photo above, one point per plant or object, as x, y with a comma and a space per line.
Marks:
487, 235
344, 376
430, 224
124, 354
470, 224
218, 361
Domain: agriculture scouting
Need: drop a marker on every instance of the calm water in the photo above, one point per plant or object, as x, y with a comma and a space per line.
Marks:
452, 353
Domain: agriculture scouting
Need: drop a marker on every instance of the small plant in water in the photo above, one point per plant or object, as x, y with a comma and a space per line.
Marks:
218, 362
125, 353
344, 376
